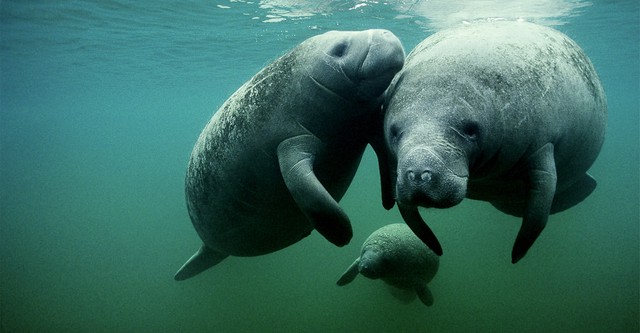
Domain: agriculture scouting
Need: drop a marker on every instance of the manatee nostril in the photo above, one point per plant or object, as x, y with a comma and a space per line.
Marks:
418, 177
339, 49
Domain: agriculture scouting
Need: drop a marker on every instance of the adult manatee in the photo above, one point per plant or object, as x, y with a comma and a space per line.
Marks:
273, 161
506, 112
396, 256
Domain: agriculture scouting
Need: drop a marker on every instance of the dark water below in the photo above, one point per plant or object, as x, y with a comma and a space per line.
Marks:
102, 101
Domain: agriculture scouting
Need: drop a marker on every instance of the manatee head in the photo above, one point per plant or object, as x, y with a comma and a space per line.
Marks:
361, 61
371, 264
434, 136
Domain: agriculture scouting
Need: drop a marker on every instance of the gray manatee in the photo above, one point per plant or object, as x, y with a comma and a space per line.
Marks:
395, 255
271, 164
511, 113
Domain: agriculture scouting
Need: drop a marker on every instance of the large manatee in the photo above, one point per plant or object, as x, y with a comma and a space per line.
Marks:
273, 161
511, 113
396, 256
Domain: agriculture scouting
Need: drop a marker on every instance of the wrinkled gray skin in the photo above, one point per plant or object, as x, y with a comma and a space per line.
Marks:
395, 255
506, 112
273, 161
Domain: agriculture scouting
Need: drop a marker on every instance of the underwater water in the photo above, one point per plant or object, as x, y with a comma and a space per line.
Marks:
102, 101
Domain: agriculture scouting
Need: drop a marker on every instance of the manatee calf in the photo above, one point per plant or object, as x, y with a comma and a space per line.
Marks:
395, 255
273, 161
506, 112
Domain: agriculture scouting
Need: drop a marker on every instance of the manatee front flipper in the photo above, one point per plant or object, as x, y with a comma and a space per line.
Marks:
202, 260
379, 147
349, 274
425, 295
541, 190
412, 217
296, 156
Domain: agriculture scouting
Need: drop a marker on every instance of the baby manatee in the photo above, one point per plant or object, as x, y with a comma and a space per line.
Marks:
395, 255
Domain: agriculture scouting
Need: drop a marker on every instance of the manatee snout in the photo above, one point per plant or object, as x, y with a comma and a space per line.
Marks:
425, 180
383, 45
370, 265
384, 58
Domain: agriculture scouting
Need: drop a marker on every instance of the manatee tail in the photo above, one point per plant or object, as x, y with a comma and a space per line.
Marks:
202, 260
405, 296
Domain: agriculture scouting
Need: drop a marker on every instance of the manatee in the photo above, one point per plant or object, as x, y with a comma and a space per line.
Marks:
511, 113
395, 255
274, 160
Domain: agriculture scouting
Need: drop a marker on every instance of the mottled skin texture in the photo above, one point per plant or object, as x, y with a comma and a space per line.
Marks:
395, 255
506, 112
273, 161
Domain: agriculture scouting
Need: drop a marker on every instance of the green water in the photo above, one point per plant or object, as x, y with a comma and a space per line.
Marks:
102, 101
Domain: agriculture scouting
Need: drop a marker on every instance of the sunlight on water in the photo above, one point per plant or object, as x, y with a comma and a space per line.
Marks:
444, 14
434, 14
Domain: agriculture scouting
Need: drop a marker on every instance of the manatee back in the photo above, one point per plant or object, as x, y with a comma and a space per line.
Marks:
234, 164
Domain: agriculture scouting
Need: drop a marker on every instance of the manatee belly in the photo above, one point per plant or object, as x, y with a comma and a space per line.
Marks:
238, 201
239, 232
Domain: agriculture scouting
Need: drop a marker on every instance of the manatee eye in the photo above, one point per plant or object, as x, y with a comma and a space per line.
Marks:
339, 49
471, 130
394, 133
393, 130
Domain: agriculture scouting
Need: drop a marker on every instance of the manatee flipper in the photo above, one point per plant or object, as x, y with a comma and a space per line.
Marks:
574, 194
425, 295
200, 261
412, 217
296, 157
541, 190
379, 147
349, 274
